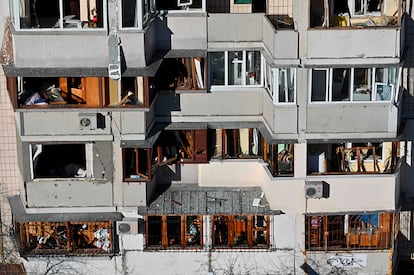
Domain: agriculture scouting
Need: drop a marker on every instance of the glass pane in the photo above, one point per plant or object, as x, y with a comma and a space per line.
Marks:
340, 84
362, 84
154, 231
253, 68
193, 231
260, 228
174, 230
318, 85
385, 81
39, 14
129, 15
269, 79
286, 85
235, 68
240, 231
217, 68
220, 231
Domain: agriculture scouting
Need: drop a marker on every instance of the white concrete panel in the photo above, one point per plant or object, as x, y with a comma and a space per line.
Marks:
55, 193
355, 193
351, 118
187, 32
54, 122
354, 43
49, 49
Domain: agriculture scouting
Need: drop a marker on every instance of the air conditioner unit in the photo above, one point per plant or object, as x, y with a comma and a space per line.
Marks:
88, 121
316, 190
127, 227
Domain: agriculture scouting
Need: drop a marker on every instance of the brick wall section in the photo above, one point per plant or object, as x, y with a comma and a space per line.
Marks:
9, 172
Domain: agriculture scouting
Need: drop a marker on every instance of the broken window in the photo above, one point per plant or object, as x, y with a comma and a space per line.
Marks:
174, 231
61, 14
61, 160
357, 231
361, 158
91, 92
354, 84
237, 143
137, 164
186, 73
280, 84
131, 13
63, 238
359, 13
239, 68
182, 145
280, 159
241, 231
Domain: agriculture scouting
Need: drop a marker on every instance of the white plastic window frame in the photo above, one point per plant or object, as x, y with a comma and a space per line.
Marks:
16, 19
243, 79
351, 5
88, 160
276, 77
373, 85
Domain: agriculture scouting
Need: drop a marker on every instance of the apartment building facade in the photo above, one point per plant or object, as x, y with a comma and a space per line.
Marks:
202, 136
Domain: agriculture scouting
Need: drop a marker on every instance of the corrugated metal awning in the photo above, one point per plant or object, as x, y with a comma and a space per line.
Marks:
193, 199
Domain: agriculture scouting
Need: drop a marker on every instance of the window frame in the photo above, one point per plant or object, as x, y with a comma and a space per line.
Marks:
320, 232
31, 236
89, 163
138, 176
168, 243
243, 62
60, 27
373, 84
233, 232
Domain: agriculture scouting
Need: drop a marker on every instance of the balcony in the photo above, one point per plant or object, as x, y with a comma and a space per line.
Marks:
359, 31
358, 46
360, 120
252, 30
69, 193
353, 158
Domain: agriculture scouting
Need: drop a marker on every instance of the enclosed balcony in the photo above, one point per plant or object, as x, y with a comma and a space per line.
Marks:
353, 103
253, 30
355, 30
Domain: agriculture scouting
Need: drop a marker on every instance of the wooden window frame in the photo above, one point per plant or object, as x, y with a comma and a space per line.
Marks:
32, 236
234, 233
138, 175
345, 232
170, 243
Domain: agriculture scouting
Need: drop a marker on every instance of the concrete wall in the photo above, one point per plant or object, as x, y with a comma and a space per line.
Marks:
56, 122
372, 263
134, 48
354, 43
347, 192
282, 44
214, 106
69, 193
54, 49
282, 119
238, 27
355, 193
348, 120
186, 30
